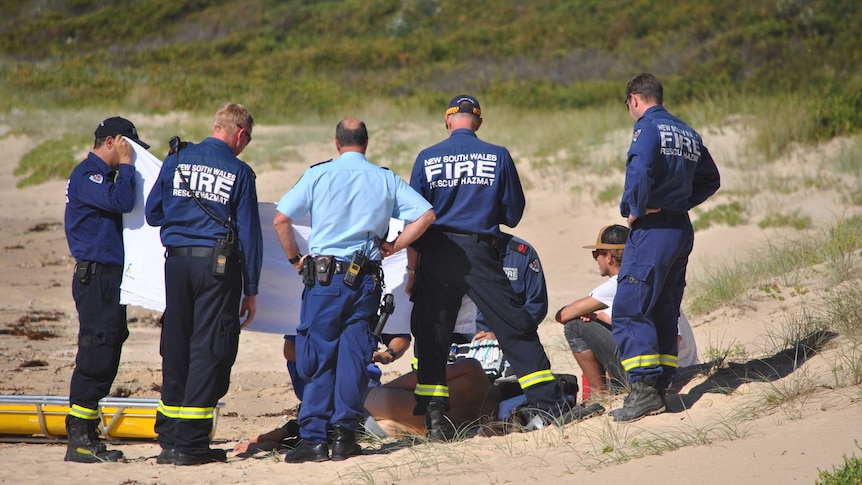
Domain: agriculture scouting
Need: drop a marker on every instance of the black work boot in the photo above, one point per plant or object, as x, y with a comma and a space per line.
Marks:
344, 444
644, 400
306, 452
166, 457
82, 448
194, 457
438, 426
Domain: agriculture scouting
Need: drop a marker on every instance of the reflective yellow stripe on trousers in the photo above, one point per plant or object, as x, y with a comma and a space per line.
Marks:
537, 377
84, 413
185, 412
651, 360
432, 390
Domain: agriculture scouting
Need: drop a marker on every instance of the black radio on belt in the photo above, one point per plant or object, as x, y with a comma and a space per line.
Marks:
83, 270
224, 249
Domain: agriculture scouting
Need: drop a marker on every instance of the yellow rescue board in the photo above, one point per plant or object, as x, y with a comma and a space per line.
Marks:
121, 418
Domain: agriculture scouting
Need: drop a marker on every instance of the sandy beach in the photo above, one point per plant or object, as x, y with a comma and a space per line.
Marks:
725, 429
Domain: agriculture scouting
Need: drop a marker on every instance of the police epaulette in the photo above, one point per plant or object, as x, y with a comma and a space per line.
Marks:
321, 163
519, 247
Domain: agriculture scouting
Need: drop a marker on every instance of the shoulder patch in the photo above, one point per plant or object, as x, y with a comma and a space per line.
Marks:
535, 266
321, 163
518, 247
97, 178
636, 134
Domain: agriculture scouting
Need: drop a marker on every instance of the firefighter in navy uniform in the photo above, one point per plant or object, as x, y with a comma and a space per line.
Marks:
474, 187
668, 172
100, 190
351, 202
204, 197
524, 269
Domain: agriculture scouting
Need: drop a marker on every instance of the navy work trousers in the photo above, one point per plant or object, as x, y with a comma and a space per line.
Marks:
102, 330
334, 345
649, 292
199, 343
450, 266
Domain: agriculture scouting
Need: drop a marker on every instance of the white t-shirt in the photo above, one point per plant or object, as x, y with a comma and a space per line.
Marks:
605, 293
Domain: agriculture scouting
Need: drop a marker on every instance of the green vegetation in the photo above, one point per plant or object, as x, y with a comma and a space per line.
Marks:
792, 219
551, 90
610, 194
836, 249
51, 159
730, 214
849, 474
288, 58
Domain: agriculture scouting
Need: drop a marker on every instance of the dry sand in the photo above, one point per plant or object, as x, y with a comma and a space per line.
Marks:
721, 438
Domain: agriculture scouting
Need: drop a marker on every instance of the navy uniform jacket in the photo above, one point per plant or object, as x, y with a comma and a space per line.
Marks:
226, 186
522, 266
473, 185
668, 167
96, 198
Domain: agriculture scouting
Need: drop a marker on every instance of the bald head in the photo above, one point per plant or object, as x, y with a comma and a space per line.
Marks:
351, 135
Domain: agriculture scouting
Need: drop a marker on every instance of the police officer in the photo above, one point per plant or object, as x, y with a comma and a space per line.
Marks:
205, 201
473, 186
668, 172
351, 202
99, 191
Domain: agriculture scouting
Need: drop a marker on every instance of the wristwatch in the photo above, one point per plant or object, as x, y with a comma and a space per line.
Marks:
392, 353
295, 259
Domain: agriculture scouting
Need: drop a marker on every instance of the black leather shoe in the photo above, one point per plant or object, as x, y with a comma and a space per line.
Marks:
199, 457
306, 452
166, 457
344, 444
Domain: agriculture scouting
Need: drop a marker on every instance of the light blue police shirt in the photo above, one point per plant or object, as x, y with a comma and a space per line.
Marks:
350, 201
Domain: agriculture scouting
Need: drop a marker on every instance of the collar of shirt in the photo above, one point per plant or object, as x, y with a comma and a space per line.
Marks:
653, 110
351, 156
99, 163
221, 144
464, 131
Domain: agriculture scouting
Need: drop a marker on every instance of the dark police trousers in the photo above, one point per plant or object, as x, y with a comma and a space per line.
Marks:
334, 345
450, 266
199, 343
101, 333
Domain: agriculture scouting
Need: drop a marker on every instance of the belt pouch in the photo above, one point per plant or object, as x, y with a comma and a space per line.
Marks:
83, 270
324, 267
308, 271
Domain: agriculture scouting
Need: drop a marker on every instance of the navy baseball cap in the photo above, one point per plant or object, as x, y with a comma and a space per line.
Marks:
464, 103
119, 126
611, 237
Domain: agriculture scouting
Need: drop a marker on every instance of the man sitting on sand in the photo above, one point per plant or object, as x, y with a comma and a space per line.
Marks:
587, 320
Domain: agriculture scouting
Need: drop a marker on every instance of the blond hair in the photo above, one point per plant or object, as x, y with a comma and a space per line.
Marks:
231, 117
